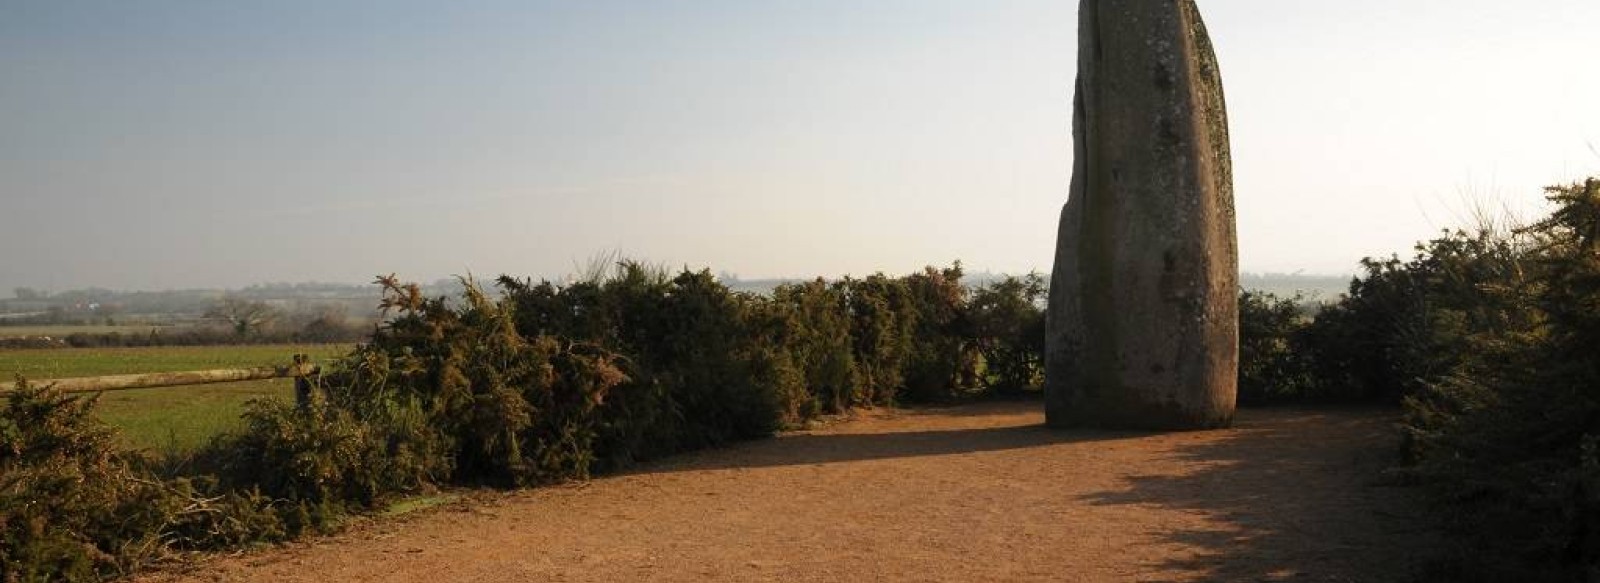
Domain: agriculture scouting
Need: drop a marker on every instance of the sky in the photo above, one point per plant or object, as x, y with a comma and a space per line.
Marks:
156, 144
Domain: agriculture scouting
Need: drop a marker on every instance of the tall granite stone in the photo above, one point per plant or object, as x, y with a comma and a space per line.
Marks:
1143, 316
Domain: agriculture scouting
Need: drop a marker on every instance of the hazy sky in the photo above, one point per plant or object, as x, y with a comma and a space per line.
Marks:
158, 144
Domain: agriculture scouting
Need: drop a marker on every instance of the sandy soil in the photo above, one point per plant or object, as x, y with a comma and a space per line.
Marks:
975, 493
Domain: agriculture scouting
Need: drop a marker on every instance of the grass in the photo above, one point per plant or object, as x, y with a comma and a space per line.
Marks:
181, 419
418, 503
167, 419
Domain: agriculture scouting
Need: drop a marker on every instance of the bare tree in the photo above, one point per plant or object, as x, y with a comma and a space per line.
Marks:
28, 293
242, 315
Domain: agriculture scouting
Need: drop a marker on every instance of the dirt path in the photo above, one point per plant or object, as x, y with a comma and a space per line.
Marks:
977, 493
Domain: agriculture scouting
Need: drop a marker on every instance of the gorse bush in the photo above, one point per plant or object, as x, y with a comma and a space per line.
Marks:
698, 370
1404, 325
1271, 366
443, 394
329, 459
698, 348
1007, 322
881, 326
1400, 330
815, 327
64, 492
812, 347
542, 384
1507, 435
74, 507
1487, 338
942, 362
458, 393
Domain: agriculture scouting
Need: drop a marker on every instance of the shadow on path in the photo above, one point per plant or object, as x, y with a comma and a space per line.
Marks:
1287, 495
981, 493
824, 448
1291, 495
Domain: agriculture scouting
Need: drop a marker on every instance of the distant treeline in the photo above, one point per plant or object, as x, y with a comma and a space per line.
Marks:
314, 332
93, 305
268, 327
100, 306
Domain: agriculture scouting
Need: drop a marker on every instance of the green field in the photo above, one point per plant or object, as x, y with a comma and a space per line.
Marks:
168, 418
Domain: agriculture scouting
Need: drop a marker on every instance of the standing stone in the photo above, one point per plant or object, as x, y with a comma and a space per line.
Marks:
1143, 317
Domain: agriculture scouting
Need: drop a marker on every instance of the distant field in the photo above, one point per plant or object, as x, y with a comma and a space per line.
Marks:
64, 331
168, 418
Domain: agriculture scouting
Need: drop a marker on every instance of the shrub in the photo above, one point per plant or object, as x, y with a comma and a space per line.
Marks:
63, 488
1487, 339
1008, 331
702, 368
1405, 325
1271, 369
941, 362
74, 507
543, 384
502, 407
817, 327
444, 393
705, 354
329, 458
882, 321
1507, 438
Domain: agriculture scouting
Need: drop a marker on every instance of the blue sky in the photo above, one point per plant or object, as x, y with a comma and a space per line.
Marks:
162, 144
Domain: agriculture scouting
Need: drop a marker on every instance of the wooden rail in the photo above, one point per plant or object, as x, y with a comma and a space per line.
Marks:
299, 370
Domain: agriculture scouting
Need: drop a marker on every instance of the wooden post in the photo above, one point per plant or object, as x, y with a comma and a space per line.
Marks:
303, 369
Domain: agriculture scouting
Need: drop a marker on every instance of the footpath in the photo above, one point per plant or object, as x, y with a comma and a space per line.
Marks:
973, 493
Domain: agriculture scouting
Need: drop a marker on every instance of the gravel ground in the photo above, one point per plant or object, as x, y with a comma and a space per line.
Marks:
972, 493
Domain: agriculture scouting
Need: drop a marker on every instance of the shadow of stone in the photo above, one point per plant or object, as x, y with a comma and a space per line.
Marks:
1290, 495
813, 449
1287, 495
